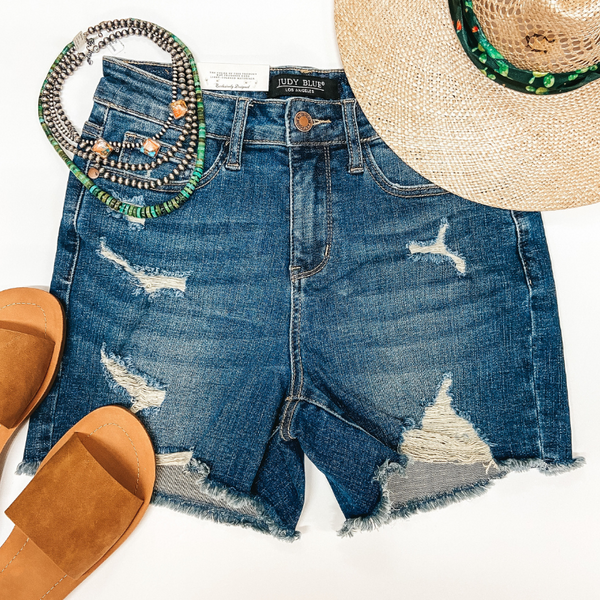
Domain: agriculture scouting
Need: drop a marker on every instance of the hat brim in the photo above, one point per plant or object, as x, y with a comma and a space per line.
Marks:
453, 125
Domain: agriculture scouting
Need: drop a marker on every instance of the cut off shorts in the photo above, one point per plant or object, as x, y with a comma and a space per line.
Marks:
315, 296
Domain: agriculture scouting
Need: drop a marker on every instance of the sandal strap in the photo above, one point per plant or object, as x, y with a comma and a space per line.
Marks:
24, 361
73, 509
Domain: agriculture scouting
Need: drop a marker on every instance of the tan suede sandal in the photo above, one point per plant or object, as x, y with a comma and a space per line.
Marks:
88, 495
32, 335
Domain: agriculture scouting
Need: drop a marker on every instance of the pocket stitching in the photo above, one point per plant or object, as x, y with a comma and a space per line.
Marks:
394, 189
133, 113
207, 176
132, 136
91, 129
213, 170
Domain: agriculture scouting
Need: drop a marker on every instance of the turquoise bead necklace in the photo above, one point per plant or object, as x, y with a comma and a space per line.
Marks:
66, 139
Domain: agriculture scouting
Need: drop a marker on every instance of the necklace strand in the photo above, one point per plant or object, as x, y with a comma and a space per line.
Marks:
65, 138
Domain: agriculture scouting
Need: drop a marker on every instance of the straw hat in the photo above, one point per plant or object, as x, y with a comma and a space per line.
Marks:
469, 131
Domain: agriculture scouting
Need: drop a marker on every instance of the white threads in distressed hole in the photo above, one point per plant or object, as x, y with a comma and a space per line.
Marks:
142, 394
173, 459
439, 247
150, 282
445, 437
137, 220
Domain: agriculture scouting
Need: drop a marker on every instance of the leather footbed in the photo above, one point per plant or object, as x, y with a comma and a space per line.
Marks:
32, 337
88, 495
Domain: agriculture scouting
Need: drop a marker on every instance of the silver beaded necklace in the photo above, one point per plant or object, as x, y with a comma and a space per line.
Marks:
99, 152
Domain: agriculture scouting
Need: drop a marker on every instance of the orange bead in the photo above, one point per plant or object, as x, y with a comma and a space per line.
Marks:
150, 147
178, 108
102, 148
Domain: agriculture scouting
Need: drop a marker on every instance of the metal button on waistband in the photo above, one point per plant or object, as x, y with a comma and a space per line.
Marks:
93, 173
303, 121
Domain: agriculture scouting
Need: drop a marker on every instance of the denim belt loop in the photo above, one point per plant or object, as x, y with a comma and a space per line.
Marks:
234, 157
355, 163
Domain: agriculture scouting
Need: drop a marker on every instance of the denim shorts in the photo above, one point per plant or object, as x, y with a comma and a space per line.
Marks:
315, 296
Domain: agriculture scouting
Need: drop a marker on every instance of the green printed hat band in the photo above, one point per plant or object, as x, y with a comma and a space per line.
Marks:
494, 66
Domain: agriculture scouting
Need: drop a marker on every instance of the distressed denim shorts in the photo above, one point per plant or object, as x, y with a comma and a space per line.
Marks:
316, 296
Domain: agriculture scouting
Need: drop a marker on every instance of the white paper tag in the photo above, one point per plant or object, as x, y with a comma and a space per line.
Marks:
229, 77
116, 46
80, 42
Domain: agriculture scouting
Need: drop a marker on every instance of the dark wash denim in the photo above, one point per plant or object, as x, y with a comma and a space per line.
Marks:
315, 296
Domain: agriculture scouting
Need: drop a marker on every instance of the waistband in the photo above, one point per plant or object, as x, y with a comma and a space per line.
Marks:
145, 88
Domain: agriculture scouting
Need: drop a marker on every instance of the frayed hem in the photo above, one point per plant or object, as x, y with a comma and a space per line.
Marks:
226, 516
443, 499
382, 512
28, 467
547, 467
385, 513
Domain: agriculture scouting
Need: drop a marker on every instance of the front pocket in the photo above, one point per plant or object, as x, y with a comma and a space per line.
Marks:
134, 156
128, 115
122, 125
394, 176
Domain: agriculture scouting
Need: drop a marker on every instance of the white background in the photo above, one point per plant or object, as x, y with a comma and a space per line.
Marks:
529, 537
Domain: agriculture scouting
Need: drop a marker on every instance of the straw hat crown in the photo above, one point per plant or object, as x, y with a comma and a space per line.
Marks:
438, 102
555, 36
